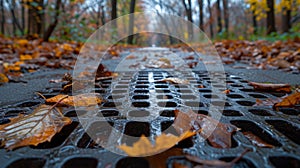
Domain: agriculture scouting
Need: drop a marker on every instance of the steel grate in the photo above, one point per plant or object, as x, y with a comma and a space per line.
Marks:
147, 97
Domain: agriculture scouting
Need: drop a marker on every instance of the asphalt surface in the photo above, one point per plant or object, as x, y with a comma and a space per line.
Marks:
11, 93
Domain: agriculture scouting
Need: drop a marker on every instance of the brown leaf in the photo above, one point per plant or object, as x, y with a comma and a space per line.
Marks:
257, 141
87, 99
267, 102
271, 87
144, 147
33, 129
217, 133
131, 57
289, 101
175, 80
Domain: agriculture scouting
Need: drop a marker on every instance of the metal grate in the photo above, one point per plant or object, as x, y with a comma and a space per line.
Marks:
72, 147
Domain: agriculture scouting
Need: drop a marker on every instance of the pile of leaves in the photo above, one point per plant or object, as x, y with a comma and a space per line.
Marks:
262, 54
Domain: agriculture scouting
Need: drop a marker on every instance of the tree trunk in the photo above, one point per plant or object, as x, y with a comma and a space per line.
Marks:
131, 22
200, 4
254, 21
226, 16
52, 26
23, 16
114, 13
14, 18
270, 17
188, 10
210, 20
219, 20
286, 18
2, 17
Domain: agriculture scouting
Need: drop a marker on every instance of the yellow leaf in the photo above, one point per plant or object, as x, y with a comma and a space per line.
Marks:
22, 42
25, 57
143, 147
3, 78
78, 100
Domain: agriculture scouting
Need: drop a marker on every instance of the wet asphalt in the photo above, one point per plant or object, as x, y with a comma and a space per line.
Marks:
14, 92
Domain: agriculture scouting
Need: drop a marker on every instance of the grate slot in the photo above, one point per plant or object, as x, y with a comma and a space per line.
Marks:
287, 129
260, 112
285, 161
133, 162
81, 163
58, 138
248, 126
28, 162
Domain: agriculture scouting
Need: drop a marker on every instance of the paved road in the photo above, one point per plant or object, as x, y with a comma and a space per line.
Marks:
37, 81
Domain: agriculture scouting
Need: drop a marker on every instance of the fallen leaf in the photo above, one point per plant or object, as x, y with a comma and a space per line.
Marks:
271, 87
33, 129
226, 91
87, 99
215, 163
255, 140
131, 57
289, 101
174, 80
143, 147
218, 134
3, 78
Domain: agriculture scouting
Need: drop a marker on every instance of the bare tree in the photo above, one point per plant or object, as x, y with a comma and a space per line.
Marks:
254, 19
270, 17
286, 18
200, 4
2, 16
226, 16
210, 19
52, 26
219, 20
14, 18
114, 12
131, 22
189, 13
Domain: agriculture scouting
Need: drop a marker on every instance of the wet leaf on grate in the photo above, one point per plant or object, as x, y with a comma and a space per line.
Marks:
215, 163
289, 101
160, 63
271, 87
227, 91
143, 147
257, 141
218, 134
175, 81
87, 99
33, 129
103, 72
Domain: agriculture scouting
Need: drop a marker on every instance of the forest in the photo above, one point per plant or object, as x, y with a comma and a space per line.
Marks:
76, 20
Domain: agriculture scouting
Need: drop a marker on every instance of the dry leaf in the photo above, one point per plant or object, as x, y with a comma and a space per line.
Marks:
175, 80
3, 78
271, 87
289, 101
217, 133
257, 141
87, 99
33, 129
226, 91
131, 57
143, 147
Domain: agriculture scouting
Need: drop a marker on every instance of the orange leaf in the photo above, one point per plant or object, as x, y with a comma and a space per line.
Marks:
289, 101
271, 87
143, 147
78, 100
33, 129
3, 78
257, 141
